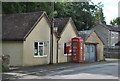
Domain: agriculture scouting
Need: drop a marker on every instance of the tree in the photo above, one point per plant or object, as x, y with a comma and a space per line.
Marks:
99, 13
84, 14
115, 22
24, 7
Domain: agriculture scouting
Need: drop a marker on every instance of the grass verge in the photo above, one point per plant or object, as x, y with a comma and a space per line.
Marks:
4, 69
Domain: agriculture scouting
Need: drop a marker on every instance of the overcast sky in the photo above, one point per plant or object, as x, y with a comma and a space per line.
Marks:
110, 9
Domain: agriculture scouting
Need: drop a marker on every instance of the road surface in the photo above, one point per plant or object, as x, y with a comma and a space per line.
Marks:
100, 71
90, 71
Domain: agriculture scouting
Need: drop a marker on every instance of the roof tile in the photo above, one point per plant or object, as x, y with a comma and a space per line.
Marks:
16, 26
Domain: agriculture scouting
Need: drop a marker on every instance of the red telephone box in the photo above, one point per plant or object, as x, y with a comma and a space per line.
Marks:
77, 49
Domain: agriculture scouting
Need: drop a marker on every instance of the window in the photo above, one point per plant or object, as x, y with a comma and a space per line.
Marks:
81, 47
116, 35
36, 48
40, 49
112, 35
67, 48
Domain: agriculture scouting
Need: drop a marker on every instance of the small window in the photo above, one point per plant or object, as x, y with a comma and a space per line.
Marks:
81, 47
116, 35
36, 48
112, 35
64, 48
40, 43
67, 48
40, 49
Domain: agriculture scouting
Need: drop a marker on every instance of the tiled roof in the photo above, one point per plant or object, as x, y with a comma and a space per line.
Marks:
100, 32
16, 27
112, 28
99, 29
61, 24
85, 34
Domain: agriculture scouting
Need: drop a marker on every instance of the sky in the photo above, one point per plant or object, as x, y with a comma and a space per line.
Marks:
110, 9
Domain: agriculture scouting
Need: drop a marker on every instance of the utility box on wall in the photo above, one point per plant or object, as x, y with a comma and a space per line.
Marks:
77, 49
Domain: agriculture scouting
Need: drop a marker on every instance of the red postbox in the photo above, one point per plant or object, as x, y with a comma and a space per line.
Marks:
68, 47
77, 49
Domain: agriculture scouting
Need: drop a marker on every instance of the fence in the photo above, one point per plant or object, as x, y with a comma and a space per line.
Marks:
112, 52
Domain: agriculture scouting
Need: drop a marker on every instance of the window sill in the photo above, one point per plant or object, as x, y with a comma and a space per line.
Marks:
67, 54
41, 56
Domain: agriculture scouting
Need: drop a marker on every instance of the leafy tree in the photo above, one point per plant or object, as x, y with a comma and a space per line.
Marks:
24, 7
115, 22
99, 14
83, 14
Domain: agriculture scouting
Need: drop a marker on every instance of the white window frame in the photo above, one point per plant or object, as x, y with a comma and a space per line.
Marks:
38, 44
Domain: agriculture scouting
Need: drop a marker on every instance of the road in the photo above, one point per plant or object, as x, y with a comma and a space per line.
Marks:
91, 71
101, 71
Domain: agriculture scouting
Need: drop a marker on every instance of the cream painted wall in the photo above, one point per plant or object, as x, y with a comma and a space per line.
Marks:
15, 51
66, 36
54, 48
95, 39
40, 33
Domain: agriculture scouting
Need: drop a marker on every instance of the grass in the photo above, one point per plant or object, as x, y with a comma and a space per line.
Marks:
109, 61
4, 69
106, 61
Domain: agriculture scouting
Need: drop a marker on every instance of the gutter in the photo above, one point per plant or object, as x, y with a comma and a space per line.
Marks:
51, 46
57, 49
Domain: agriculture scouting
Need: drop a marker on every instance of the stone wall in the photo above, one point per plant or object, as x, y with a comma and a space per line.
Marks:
110, 52
5, 62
